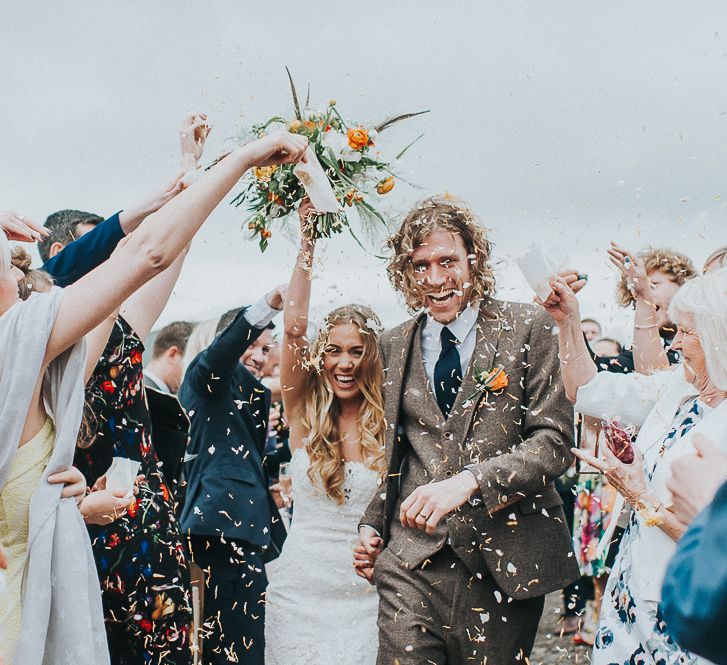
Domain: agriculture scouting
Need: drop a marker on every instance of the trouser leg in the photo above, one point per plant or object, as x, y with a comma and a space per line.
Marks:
234, 601
441, 615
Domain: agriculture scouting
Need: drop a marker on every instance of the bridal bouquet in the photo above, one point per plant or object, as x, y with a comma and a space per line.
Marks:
357, 174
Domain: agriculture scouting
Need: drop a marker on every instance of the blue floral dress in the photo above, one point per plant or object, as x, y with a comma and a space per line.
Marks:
631, 630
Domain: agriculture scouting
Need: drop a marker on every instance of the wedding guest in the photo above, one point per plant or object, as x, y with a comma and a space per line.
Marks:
141, 558
229, 513
54, 628
164, 370
468, 513
606, 346
591, 329
671, 408
648, 282
322, 612
33, 281
199, 339
695, 586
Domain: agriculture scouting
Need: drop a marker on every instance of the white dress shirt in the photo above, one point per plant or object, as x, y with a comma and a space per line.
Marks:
156, 379
463, 328
261, 314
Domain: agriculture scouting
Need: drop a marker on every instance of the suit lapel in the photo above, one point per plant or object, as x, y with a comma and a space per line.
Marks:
490, 325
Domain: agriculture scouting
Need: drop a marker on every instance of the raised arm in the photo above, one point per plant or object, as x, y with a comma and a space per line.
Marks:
576, 365
159, 240
649, 353
294, 348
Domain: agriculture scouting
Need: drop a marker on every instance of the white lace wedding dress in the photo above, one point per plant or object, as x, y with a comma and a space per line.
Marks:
318, 610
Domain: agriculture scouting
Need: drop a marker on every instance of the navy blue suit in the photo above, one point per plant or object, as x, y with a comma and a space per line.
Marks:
694, 596
88, 252
232, 520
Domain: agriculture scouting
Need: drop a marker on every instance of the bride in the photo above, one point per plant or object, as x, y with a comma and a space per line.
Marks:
318, 610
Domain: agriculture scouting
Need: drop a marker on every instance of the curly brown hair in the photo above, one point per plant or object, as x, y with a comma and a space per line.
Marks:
678, 266
446, 213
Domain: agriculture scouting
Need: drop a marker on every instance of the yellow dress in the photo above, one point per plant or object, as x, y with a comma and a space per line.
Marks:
25, 472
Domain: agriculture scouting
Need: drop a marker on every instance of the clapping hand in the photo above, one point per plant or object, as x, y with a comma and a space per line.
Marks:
632, 267
20, 228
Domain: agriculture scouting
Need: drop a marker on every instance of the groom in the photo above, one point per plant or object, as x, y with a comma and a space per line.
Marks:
467, 533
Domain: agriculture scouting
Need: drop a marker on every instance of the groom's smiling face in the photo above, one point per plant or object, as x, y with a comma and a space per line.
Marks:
442, 273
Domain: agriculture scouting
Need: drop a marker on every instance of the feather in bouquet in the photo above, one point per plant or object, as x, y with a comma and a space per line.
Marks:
346, 151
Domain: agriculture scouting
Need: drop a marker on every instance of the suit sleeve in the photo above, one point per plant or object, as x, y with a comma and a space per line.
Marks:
81, 256
212, 370
546, 431
694, 597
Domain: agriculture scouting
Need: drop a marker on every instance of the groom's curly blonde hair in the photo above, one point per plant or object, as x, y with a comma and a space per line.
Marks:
446, 213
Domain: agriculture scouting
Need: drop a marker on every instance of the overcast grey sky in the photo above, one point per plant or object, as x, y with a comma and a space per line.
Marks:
562, 122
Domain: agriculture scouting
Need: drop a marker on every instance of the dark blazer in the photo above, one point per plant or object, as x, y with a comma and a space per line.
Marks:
516, 441
694, 597
88, 252
227, 490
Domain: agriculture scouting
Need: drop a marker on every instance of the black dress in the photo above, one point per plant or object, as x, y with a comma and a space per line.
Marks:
141, 558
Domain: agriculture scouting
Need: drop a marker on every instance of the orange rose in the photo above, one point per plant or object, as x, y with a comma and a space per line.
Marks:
497, 379
358, 138
386, 185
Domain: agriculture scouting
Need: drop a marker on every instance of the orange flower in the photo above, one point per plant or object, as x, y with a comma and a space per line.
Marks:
358, 138
496, 379
386, 185
295, 125
265, 234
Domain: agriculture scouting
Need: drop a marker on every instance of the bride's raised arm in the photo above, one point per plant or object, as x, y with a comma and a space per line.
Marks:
294, 367
159, 240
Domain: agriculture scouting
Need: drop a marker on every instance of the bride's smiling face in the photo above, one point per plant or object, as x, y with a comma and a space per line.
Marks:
341, 358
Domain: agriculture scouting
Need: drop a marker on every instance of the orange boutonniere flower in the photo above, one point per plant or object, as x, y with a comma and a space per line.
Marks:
492, 381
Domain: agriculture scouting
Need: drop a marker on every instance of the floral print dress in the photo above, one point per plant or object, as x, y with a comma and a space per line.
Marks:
631, 630
141, 558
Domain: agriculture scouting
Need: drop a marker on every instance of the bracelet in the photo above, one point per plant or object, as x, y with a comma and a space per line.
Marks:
570, 362
650, 325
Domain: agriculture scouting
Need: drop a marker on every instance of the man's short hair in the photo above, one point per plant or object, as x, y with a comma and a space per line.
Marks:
229, 316
174, 334
62, 226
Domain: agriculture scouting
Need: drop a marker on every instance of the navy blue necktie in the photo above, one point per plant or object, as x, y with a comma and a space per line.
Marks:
447, 372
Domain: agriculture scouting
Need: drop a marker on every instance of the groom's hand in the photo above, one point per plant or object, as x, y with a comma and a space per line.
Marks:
427, 505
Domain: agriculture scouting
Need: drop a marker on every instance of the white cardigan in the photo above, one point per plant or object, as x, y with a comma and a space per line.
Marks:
650, 403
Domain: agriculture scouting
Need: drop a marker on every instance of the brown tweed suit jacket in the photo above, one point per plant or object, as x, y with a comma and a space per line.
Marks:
517, 441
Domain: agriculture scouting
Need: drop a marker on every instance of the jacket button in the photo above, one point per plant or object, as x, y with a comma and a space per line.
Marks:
448, 474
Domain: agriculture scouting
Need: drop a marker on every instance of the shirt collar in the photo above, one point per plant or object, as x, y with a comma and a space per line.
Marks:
157, 380
460, 327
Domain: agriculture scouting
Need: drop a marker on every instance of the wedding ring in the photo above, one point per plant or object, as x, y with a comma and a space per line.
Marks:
22, 218
426, 517
582, 276
627, 263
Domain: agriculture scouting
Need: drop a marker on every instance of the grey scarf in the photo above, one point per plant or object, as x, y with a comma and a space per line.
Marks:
62, 612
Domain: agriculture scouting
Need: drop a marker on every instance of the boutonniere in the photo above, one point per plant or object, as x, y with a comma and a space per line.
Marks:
490, 381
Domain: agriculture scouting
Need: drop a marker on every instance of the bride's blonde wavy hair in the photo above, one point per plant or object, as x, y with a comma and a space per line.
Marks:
321, 409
